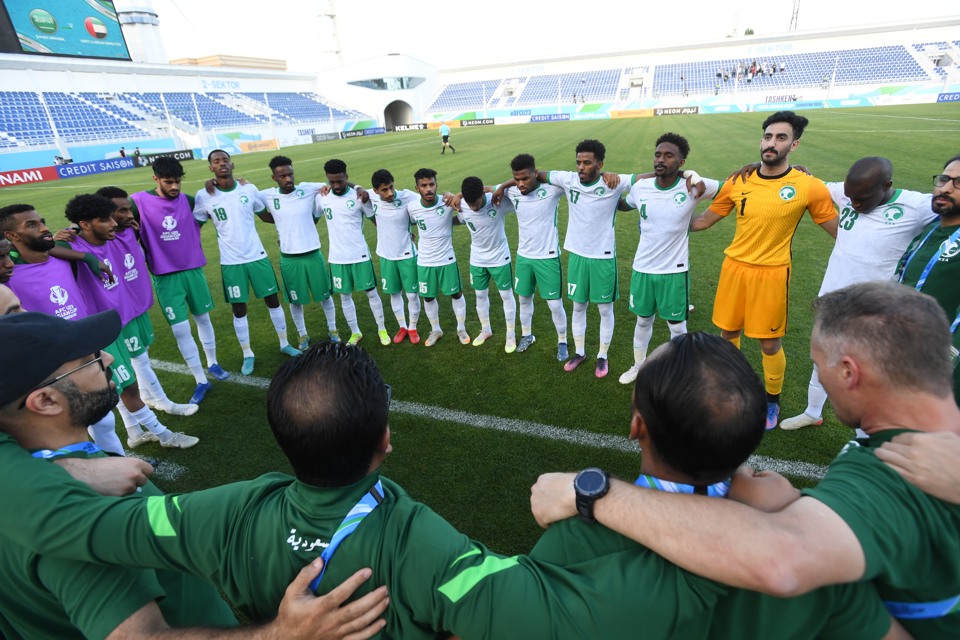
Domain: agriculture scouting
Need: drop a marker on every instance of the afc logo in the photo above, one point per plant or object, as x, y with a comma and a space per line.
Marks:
58, 295
169, 223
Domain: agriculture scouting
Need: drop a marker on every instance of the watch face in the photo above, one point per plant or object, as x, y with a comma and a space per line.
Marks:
591, 481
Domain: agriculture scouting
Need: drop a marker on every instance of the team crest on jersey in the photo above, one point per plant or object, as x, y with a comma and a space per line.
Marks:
541, 193
244, 200
788, 193
892, 214
439, 211
58, 295
851, 445
949, 249
351, 204
128, 261
492, 213
679, 199
397, 203
599, 191
169, 223
299, 193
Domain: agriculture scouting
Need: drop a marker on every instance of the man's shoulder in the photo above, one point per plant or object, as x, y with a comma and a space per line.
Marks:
574, 536
856, 472
254, 491
915, 200
812, 182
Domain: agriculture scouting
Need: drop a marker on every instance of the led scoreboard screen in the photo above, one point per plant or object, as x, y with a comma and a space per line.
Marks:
81, 28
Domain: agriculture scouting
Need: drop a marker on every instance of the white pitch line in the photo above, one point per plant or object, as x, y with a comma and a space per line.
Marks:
794, 468
162, 469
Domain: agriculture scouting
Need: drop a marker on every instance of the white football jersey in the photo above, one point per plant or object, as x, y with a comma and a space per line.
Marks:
869, 245
665, 224
591, 230
295, 217
393, 225
344, 215
537, 220
234, 215
435, 232
488, 235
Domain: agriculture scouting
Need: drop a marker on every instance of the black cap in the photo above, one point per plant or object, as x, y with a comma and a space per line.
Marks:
34, 345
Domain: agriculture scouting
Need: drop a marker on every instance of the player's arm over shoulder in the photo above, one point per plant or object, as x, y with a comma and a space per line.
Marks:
819, 201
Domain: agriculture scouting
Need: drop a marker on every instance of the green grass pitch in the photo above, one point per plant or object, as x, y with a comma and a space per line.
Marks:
480, 479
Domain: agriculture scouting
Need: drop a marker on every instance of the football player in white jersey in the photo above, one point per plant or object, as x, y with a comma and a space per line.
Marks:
489, 257
437, 270
591, 245
243, 260
397, 252
351, 267
538, 250
660, 283
877, 223
303, 267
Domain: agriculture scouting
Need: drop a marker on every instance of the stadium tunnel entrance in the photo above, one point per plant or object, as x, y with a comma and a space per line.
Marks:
397, 112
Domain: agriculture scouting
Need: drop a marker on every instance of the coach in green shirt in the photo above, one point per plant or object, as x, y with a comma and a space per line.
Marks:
698, 413
883, 354
54, 381
931, 263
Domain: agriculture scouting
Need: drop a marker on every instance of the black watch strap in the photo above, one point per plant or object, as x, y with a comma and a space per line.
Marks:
590, 485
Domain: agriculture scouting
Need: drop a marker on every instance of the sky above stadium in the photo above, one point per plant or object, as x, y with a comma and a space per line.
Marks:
461, 34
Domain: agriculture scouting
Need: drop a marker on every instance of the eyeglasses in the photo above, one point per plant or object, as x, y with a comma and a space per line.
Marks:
942, 180
97, 358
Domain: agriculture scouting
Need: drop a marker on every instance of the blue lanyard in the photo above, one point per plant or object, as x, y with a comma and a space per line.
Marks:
86, 447
921, 610
955, 324
718, 490
361, 510
933, 259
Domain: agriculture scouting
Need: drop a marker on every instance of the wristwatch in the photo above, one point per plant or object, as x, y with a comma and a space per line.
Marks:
590, 485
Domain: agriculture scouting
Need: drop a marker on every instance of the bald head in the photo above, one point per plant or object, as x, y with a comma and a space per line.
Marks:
869, 183
871, 168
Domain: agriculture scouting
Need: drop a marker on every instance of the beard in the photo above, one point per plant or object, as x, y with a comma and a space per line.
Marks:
40, 244
950, 210
777, 158
88, 407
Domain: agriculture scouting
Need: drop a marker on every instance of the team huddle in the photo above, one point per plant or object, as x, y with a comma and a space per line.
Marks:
696, 547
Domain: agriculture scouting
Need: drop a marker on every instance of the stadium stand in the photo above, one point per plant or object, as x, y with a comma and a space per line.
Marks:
301, 107
23, 120
465, 95
855, 66
25, 117
869, 65
587, 86
590, 86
